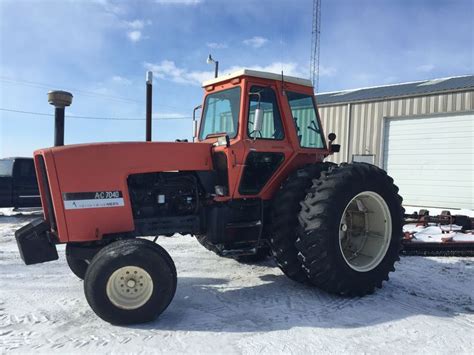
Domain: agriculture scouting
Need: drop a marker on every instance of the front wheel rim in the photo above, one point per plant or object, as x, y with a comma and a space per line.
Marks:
365, 231
129, 287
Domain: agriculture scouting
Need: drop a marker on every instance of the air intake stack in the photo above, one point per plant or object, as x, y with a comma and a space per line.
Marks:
60, 100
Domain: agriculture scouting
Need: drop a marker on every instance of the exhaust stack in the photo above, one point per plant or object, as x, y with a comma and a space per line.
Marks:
60, 100
149, 91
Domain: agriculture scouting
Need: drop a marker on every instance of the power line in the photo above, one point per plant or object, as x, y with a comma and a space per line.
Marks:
48, 86
83, 92
93, 117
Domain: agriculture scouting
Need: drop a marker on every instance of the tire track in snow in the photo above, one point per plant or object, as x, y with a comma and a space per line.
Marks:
240, 308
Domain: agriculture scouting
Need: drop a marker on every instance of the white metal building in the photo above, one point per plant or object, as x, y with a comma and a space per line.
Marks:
422, 133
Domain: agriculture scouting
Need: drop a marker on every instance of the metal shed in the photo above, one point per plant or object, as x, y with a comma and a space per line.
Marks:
421, 132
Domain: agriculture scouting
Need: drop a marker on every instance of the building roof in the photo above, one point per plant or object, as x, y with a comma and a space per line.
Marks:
415, 88
258, 74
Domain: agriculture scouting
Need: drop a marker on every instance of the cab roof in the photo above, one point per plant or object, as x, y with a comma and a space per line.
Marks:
258, 74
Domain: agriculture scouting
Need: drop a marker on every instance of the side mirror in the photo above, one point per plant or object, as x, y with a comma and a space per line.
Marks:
258, 120
334, 148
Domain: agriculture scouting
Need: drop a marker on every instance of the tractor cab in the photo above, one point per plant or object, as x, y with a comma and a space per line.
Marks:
259, 123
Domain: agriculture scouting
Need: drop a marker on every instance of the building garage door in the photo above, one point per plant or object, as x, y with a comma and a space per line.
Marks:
432, 159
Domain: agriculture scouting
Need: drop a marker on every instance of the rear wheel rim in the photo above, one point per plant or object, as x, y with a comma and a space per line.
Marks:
129, 287
365, 231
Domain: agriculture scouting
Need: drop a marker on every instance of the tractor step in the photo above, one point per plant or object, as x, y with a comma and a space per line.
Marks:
250, 224
238, 252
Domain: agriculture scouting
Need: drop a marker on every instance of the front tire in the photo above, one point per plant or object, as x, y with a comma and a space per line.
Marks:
77, 266
130, 281
351, 229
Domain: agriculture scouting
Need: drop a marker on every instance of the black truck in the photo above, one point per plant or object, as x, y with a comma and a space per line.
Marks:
18, 185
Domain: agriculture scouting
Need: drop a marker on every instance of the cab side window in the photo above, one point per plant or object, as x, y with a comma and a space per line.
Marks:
272, 126
306, 121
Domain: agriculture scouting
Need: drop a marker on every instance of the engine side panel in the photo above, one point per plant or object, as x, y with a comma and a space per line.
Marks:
92, 191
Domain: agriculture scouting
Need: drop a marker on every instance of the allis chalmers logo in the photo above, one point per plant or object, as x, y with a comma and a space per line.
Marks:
94, 199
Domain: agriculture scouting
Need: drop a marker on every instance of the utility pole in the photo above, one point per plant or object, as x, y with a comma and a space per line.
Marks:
315, 44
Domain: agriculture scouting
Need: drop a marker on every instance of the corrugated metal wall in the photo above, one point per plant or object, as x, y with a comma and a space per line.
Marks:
361, 133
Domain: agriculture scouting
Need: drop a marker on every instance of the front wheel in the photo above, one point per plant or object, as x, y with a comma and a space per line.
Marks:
350, 229
77, 266
130, 281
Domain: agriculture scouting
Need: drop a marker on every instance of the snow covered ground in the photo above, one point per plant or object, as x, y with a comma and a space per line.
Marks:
222, 306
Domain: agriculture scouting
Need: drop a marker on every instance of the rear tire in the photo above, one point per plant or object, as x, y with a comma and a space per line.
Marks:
285, 210
351, 229
77, 266
130, 281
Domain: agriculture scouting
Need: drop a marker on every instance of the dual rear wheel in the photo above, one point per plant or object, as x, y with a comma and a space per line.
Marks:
346, 228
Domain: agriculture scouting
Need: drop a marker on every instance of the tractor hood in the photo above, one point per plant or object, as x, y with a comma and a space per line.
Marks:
132, 157
107, 165
96, 176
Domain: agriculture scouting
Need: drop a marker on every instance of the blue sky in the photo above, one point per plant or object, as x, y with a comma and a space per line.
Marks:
100, 50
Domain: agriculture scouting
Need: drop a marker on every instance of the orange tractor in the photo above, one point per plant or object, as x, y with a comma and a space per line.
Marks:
253, 184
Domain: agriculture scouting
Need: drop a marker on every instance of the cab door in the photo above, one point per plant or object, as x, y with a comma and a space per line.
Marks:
265, 151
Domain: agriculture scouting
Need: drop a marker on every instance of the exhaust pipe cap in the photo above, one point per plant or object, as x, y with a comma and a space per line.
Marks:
149, 77
59, 99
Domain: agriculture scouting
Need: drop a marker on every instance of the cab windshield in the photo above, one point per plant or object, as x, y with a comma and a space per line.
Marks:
221, 113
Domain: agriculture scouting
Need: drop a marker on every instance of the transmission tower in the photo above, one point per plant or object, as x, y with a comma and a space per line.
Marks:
315, 32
